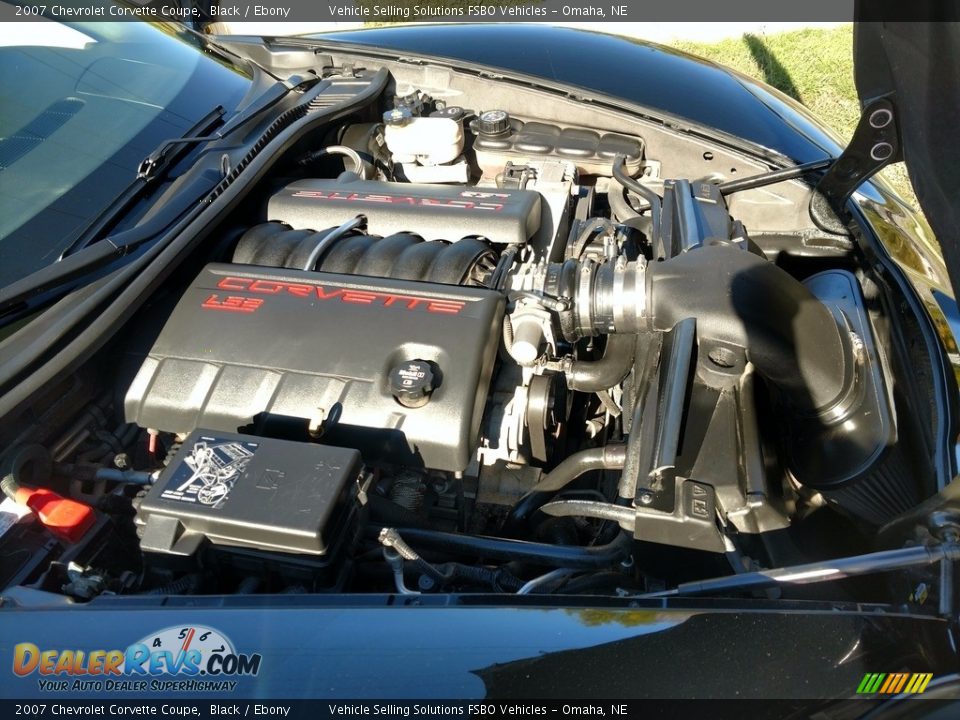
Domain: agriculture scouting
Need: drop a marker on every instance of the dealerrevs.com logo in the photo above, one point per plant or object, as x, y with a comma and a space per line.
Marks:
181, 658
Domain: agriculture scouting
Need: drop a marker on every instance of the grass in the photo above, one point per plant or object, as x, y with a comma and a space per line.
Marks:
813, 66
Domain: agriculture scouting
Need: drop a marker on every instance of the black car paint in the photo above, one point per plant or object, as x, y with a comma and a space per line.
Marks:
372, 646
377, 647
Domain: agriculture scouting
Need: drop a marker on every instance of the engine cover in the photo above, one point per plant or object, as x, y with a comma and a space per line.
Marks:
431, 211
247, 346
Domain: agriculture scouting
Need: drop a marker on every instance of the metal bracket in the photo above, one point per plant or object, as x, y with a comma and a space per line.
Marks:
874, 145
691, 522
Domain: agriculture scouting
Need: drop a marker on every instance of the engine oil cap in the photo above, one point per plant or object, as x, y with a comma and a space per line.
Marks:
411, 383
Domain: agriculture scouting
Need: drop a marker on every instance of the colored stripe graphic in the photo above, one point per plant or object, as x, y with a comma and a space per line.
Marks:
872, 681
894, 683
898, 685
891, 681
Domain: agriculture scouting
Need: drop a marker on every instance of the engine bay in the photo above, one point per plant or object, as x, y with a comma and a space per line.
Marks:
452, 346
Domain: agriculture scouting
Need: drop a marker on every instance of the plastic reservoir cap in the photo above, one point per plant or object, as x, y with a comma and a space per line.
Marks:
427, 140
67, 519
494, 122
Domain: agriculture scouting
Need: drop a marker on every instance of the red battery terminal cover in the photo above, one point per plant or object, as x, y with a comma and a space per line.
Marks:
67, 519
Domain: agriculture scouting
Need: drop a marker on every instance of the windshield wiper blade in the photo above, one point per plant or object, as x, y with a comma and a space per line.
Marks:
88, 253
167, 153
82, 263
135, 189
156, 161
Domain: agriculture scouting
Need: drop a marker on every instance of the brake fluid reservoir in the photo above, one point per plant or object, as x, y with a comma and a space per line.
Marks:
426, 140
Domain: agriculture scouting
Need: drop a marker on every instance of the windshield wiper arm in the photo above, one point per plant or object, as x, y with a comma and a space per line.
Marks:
133, 191
154, 166
83, 262
159, 160
155, 161
91, 255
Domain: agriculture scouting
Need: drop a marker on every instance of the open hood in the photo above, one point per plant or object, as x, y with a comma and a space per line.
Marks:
916, 67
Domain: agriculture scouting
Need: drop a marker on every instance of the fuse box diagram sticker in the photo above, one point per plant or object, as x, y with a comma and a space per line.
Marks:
208, 472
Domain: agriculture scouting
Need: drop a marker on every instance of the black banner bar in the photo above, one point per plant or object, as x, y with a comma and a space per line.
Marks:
384, 11
445, 709
551, 11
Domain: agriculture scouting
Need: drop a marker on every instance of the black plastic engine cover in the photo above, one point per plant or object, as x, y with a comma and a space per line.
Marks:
245, 345
431, 211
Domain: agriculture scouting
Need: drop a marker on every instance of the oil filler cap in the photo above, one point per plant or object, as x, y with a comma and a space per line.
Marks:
411, 383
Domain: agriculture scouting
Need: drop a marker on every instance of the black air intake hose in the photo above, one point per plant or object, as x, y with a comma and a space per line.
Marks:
735, 296
740, 298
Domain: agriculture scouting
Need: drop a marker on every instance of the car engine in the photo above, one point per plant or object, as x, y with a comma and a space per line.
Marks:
455, 350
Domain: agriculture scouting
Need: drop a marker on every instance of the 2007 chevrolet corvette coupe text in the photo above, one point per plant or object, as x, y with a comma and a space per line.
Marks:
570, 351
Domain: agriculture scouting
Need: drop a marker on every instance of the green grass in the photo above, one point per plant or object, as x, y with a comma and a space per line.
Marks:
812, 66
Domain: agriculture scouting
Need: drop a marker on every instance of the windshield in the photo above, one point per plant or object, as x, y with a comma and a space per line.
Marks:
80, 107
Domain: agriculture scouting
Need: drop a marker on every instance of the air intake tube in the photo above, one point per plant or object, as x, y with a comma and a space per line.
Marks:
792, 338
737, 297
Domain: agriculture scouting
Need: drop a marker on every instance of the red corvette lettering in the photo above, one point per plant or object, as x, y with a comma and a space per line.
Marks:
347, 295
266, 286
358, 296
328, 295
232, 303
445, 306
405, 199
230, 283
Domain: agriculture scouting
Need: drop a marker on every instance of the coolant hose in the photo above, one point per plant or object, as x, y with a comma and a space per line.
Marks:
656, 204
359, 166
624, 213
618, 203
330, 238
597, 556
605, 373
608, 457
